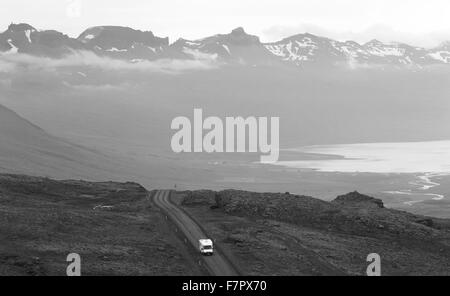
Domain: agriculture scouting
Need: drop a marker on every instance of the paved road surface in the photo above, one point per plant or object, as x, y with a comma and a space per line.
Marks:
216, 264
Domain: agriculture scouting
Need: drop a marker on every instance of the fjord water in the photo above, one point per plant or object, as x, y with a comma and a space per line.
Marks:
406, 157
427, 165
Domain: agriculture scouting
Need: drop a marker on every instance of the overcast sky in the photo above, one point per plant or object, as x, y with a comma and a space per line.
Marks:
419, 22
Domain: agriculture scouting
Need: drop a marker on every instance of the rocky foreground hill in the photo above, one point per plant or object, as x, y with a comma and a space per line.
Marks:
112, 226
283, 234
117, 230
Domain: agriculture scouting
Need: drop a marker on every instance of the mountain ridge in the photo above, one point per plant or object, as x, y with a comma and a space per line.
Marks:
303, 49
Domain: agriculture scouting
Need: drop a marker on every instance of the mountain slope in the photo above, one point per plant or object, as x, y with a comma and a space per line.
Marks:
26, 148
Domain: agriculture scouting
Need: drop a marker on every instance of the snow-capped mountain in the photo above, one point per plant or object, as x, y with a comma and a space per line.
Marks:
307, 49
19, 34
441, 53
237, 47
123, 42
112, 41
24, 38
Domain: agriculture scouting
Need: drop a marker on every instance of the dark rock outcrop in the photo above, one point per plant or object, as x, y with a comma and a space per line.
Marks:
356, 199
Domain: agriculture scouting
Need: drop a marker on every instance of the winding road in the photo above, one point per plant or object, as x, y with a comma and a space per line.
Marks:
216, 264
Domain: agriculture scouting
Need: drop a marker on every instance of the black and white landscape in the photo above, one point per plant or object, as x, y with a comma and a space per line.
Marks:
236, 47
86, 164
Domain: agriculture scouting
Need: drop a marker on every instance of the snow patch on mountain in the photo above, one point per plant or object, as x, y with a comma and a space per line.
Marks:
116, 50
191, 43
13, 49
289, 52
199, 55
87, 38
384, 51
226, 48
442, 56
28, 35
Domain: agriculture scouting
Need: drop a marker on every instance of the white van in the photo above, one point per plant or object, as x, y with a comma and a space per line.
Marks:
206, 247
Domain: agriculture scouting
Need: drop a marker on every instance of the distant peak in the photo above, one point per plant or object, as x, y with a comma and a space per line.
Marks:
118, 37
307, 34
114, 30
303, 35
239, 30
374, 42
239, 36
20, 27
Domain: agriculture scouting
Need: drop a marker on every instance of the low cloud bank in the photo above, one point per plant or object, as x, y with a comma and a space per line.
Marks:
18, 61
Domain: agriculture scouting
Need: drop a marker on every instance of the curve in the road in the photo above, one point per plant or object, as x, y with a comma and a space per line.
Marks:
216, 264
